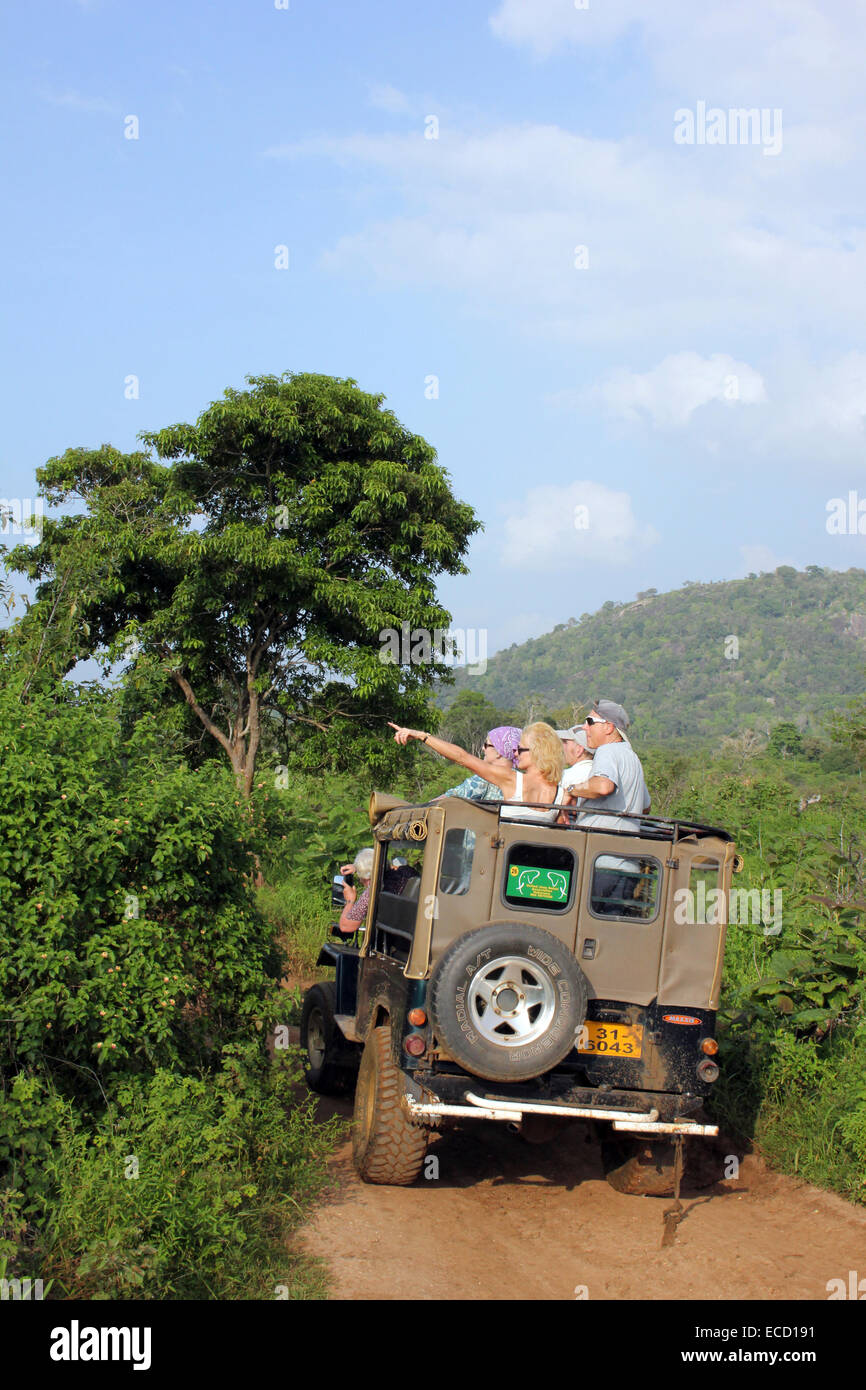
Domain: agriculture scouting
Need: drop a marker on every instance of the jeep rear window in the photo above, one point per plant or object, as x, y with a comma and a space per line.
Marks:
625, 886
539, 877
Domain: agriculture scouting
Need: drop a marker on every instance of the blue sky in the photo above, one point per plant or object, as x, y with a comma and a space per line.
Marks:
695, 379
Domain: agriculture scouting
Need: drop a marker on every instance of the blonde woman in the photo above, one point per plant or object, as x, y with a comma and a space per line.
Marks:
537, 777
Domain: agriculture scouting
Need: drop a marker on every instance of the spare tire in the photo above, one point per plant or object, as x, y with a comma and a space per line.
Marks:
506, 1001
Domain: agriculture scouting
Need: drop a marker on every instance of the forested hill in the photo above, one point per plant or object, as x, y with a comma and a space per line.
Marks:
700, 662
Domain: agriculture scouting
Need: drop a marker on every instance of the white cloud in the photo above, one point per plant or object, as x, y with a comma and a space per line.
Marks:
583, 521
544, 25
697, 248
803, 53
833, 397
704, 246
672, 391
387, 98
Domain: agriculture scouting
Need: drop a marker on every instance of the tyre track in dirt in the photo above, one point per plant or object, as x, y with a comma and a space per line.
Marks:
509, 1220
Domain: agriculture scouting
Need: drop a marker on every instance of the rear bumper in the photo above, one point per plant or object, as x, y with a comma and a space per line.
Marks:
513, 1111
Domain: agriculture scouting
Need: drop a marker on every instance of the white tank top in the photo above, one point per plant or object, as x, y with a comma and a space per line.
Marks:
508, 811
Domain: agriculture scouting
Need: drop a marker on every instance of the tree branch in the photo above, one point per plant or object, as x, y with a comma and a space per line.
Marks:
205, 718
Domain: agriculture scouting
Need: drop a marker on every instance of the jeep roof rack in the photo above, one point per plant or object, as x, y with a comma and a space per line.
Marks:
650, 827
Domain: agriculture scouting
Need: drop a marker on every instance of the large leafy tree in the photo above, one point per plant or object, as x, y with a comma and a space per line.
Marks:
786, 739
251, 561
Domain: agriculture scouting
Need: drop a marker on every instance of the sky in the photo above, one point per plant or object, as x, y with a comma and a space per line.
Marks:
630, 321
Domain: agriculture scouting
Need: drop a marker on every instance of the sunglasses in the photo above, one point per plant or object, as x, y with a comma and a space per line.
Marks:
596, 721
523, 750
488, 744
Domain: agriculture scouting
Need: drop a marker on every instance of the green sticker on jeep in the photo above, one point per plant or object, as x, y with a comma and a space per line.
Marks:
551, 885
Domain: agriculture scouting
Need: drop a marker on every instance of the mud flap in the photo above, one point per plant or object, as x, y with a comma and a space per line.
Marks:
674, 1215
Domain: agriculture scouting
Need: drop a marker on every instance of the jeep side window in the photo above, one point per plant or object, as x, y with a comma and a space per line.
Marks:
457, 855
625, 886
539, 877
397, 899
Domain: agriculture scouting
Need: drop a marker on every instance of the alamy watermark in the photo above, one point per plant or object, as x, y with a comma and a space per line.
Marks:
855, 1287
846, 517
21, 1289
421, 647
712, 906
738, 125
21, 516
77, 1343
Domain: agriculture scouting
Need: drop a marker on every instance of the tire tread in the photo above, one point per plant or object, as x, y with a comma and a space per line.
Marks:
396, 1148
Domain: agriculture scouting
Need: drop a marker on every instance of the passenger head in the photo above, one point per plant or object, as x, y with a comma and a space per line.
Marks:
574, 745
544, 752
501, 743
363, 864
607, 722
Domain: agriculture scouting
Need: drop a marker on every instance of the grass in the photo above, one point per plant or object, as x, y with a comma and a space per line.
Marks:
301, 918
187, 1187
802, 1103
812, 1120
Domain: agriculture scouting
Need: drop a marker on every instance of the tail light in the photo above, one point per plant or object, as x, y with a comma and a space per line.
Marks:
707, 1070
415, 1045
709, 1045
417, 1017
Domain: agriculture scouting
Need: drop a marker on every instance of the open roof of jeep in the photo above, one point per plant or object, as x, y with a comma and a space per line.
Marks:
649, 827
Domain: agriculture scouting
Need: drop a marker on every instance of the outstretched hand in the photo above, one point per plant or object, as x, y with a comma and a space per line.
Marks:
402, 736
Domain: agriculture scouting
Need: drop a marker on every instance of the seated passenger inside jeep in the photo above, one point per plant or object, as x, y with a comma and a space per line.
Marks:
394, 880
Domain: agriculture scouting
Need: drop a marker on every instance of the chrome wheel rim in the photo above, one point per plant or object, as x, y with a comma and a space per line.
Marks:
511, 1002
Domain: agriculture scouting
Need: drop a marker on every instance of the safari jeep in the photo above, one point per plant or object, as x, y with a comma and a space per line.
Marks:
527, 974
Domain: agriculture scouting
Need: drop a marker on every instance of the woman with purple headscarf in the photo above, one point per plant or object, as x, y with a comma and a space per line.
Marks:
529, 780
500, 750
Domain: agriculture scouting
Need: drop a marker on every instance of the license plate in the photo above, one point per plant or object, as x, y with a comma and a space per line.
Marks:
610, 1039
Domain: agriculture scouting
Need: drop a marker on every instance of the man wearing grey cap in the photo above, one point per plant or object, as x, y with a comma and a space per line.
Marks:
617, 781
578, 758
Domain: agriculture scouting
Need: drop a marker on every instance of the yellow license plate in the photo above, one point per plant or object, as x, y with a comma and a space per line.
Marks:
610, 1039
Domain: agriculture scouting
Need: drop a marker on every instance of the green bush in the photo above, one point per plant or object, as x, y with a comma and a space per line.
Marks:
812, 1119
129, 934
187, 1189
139, 980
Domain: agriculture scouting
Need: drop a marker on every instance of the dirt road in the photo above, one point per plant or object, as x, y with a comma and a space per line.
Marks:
505, 1219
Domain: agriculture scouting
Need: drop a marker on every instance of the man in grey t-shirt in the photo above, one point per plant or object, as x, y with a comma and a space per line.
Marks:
617, 782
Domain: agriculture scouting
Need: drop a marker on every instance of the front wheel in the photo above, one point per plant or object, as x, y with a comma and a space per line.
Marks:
322, 1044
386, 1146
